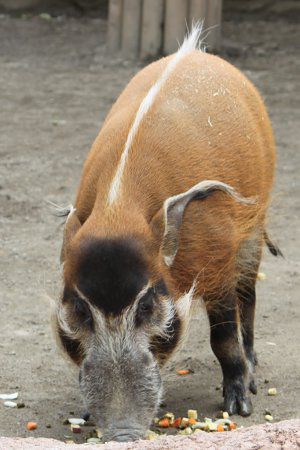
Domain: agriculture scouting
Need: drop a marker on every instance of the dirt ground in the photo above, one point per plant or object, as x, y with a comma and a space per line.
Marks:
56, 85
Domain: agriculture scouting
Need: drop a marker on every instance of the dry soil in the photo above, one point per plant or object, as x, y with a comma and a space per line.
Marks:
56, 85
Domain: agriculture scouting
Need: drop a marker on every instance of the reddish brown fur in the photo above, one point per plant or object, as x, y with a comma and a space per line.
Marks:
175, 148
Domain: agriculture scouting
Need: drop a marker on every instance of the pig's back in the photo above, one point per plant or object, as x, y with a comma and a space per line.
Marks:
206, 122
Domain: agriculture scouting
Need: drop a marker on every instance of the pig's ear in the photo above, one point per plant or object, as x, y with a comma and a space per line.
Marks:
174, 208
72, 225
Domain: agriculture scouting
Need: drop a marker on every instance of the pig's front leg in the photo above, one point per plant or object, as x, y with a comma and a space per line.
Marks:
227, 345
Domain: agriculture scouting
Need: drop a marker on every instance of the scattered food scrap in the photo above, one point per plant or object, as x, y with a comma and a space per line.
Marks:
13, 396
261, 276
31, 426
191, 424
20, 405
76, 421
272, 391
75, 428
192, 414
10, 404
269, 418
164, 423
184, 371
99, 433
45, 16
151, 435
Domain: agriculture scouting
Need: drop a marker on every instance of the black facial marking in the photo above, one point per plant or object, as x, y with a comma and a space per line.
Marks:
71, 346
145, 307
81, 314
162, 347
160, 288
111, 272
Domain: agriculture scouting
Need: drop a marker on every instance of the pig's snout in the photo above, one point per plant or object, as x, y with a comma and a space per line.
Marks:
123, 435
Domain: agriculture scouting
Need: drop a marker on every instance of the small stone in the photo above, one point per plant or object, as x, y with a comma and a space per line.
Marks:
20, 405
48, 425
272, 391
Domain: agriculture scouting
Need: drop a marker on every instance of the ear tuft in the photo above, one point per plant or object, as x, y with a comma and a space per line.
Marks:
61, 211
72, 226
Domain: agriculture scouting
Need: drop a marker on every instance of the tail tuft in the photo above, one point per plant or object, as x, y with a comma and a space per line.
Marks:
273, 248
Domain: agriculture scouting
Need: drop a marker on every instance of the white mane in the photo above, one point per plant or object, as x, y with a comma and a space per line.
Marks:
189, 44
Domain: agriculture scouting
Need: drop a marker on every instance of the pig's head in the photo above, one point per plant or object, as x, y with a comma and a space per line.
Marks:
120, 316
118, 322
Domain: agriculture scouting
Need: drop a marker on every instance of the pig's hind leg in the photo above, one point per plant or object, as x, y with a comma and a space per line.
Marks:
249, 259
227, 344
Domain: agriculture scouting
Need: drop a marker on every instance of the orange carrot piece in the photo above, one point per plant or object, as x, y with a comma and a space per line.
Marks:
220, 427
192, 421
232, 426
31, 426
164, 423
177, 423
183, 371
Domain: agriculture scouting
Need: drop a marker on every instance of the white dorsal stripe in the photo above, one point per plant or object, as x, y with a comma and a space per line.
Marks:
190, 43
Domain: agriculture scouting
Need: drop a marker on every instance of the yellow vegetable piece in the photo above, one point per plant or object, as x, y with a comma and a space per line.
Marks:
192, 414
269, 418
272, 391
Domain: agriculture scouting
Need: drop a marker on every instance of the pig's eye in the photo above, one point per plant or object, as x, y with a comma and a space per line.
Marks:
145, 307
83, 313
80, 312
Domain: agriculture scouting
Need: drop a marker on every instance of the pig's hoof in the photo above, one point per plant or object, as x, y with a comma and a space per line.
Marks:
235, 400
85, 415
253, 387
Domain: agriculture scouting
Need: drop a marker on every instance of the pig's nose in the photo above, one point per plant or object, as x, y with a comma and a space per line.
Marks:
124, 438
124, 435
